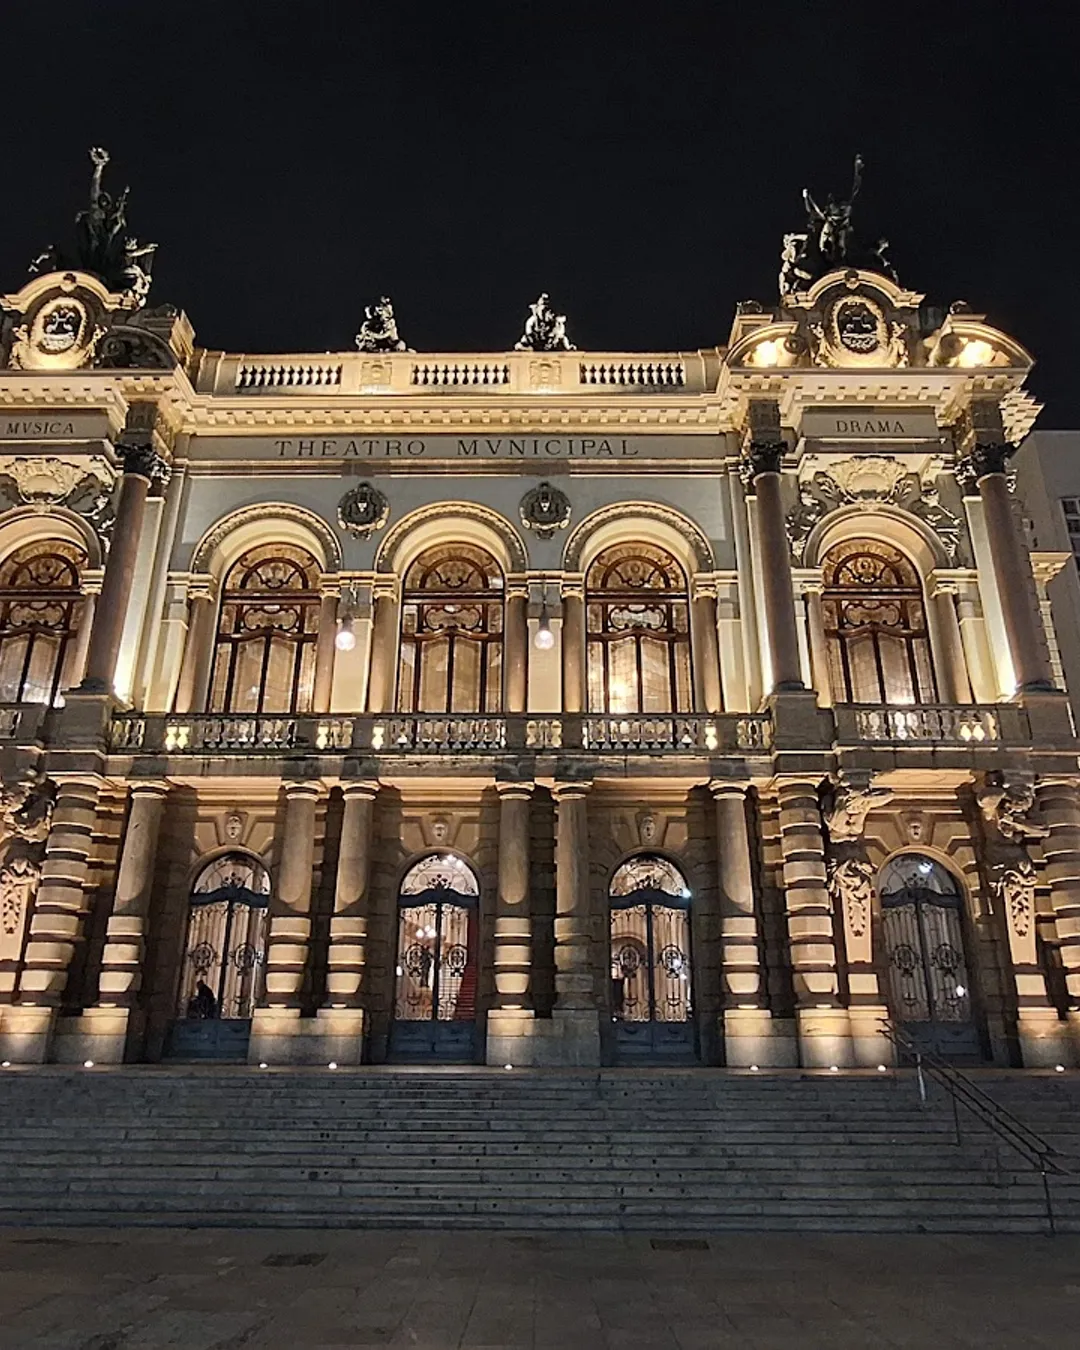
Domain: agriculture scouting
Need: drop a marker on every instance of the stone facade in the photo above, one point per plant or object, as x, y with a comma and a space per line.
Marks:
529, 707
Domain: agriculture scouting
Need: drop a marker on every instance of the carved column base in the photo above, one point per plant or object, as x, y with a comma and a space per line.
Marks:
754, 1036
104, 1035
1045, 1040
824, 1038
510, 1033
282, 1036
26, 1033
286, 959
869, 1044
121, 961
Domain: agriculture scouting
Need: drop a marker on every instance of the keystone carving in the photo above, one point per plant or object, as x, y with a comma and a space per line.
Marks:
545, 509
363, 510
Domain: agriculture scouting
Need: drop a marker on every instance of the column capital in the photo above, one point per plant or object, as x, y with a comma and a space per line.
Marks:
142, 460
149, 787
570, 790
384, 586
703, 586
300, 788
364, 788
572, 586
330, 587
722, 788
981, 460
90, 580
513, 790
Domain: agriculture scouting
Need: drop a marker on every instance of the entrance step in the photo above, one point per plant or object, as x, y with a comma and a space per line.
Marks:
705, 1150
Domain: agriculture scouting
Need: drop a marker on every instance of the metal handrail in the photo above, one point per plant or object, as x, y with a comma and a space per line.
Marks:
1032, 1147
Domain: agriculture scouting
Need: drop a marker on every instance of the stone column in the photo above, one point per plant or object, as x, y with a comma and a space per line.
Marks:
142, 465
823, 1025
706, 648
986, 456
762, 458
576, 1018
951, 666
116, 1020
749, 1034
198, 648
276, 1031
55, 926
819, 651
573, 644
91, 591
1060, 810
516, 646
510, 1019
382, 681
325, 648
343, 1017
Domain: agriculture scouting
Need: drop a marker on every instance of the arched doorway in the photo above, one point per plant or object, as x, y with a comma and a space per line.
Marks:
651, 966
41, 608
224, 967
435, 975
927, 980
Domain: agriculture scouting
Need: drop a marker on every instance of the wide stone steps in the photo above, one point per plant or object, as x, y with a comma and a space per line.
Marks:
661, 1152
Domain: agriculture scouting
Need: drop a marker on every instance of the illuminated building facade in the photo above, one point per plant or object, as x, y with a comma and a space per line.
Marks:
538, 706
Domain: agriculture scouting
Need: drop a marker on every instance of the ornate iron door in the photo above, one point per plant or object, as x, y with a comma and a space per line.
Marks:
435, 978
927, 973
652, 978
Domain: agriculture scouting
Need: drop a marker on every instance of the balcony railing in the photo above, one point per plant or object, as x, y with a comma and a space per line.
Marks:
937, 724
230, 734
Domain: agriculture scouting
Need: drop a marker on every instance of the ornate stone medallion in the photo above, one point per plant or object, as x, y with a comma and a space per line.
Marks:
545, 509
363, 510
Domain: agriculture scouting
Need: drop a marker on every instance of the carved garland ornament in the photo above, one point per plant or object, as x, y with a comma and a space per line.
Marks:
363, 510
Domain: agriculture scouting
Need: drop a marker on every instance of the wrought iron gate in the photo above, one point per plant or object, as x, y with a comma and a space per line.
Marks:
651, 966
927, 973
224, 961
436, 974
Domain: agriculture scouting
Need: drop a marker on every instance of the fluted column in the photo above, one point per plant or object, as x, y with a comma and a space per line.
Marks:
384, 646
198, 647
823, 1026
349, 924
516, 647
290, 918
762, 459
325, 648
56, 923
126, 933
576, 1008
706, 649
819, 652
984, 463
952, 676
142, 465
573, 644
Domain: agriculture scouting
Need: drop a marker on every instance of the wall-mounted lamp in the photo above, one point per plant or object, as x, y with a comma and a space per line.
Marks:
545, 638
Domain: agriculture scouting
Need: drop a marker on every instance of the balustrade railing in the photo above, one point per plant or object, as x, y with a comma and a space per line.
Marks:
936, 724
231, 733
288, 375
460, 374
23, 721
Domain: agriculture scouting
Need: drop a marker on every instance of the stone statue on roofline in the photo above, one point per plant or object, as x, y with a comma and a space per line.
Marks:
379, 331
830, 241
103, 246
545, 331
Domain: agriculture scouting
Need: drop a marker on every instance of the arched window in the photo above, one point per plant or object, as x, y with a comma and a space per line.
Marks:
40, 610
651, 971
451, 632
264, 658
638, 632
436, 971
875, 626
225, 952
926, 970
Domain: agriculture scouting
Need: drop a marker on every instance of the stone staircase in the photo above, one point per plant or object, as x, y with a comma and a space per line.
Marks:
665, 1152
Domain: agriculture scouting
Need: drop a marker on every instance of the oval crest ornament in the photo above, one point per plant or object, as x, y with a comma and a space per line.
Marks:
363, 510
545, 509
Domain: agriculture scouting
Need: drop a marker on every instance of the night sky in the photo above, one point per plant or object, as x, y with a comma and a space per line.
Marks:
640, 162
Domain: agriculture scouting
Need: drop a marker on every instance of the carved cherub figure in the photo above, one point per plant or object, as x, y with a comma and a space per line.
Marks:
1006, 807
845, 815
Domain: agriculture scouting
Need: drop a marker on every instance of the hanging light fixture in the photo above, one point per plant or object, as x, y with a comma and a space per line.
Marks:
345, 638
545, 638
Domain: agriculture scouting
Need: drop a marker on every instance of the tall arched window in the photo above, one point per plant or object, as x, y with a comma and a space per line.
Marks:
225, 953
875, 626
452, 632
264, 658
40, 610
638, 632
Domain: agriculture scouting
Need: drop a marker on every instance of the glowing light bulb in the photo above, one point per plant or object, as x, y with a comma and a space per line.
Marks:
833, 1068
88, 1064
881, 1068
332, 1064
545, 638
753, 1068
6, 1064
1059, 1068
960, 991
345, 640
263, 1064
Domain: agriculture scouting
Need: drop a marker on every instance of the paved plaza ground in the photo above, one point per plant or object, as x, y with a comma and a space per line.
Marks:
276, 1290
